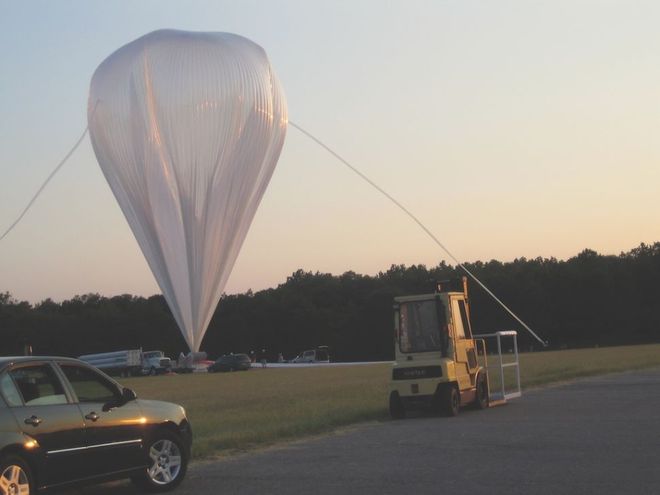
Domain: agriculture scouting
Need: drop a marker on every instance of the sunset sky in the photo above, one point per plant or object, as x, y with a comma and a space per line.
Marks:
510, 128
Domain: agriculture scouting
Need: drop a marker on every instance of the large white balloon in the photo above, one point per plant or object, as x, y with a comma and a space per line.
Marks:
187, 128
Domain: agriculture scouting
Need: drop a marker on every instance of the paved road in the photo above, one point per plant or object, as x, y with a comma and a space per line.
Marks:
596, 436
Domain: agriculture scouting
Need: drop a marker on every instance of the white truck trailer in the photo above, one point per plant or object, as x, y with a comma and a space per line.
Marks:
129, 362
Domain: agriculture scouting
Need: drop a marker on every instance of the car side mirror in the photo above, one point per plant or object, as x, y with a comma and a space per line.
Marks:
128, 395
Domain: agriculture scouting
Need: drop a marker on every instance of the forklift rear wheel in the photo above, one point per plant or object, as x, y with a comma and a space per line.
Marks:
481, 401
450, 400
397, 411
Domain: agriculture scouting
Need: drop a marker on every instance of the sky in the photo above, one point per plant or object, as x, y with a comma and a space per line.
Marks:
510, 128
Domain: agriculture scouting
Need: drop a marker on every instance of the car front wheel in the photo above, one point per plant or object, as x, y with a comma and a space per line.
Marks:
15, 477
167, 463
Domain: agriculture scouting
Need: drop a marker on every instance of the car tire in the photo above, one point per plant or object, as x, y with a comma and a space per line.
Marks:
449, 400
152, 371
167, 459
481, 399
397, 410
16, 474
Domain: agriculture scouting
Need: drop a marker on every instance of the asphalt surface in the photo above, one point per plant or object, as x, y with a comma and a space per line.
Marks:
594, 436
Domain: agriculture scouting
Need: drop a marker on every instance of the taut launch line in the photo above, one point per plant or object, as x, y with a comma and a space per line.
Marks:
420, 224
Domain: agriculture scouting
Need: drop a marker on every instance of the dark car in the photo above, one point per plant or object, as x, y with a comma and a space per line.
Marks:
231, 362
64, 422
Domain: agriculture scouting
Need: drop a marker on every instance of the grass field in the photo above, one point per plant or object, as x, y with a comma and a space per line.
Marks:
233, 412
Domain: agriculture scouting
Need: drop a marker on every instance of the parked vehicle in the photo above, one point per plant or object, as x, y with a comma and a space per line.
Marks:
437, 362
64, 422
231, 362
130, 362
125, 363
318, 355
155, 362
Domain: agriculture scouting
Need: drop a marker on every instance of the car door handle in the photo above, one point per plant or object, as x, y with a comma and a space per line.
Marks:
92, 416
33, 420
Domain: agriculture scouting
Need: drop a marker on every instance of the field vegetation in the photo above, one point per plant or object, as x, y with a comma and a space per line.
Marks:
234, 412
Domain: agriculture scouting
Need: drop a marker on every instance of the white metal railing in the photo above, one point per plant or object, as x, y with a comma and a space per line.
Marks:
502, 394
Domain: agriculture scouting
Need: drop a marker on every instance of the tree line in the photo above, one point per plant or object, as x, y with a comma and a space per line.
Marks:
590, 299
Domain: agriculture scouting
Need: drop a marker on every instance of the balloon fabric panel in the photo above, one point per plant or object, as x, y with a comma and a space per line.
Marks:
188, 128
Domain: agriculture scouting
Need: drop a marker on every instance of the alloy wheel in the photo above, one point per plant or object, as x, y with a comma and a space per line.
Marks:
14, 481
165, 462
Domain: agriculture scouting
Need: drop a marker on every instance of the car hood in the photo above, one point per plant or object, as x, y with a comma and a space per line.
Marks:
158, 411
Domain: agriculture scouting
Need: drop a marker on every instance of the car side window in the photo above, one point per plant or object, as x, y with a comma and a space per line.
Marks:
38, 385
9, 391
88, 385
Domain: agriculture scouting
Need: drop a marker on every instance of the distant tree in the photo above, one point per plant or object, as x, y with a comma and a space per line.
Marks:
586, 300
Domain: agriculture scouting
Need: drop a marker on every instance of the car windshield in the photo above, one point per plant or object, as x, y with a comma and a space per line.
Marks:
419, 327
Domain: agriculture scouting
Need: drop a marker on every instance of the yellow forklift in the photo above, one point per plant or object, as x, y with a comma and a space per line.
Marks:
439, 362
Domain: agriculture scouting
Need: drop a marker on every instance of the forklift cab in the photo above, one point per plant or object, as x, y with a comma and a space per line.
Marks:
436, 358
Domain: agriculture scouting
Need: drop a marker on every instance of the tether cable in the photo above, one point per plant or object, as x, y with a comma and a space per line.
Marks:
48, 179
43, 186
420, 224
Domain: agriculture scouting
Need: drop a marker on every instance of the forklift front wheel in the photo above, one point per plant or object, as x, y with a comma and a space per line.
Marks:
481, 400
449, 400
397, 411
